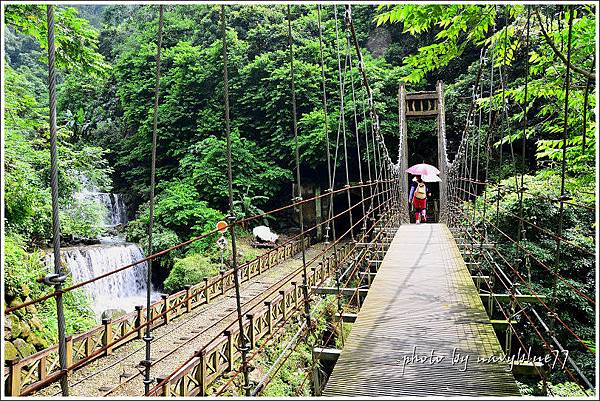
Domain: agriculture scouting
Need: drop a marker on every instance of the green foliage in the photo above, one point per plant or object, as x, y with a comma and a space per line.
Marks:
179, 215
577, 260
206, 166
27, 167
459, 26
189, 270
83, 217
75, 40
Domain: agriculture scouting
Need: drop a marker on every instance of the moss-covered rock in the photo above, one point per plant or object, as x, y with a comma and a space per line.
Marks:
113, 314
38, 342
36, 323
10, 352
25, 329
24, 349
25, 290
16, 301
12, 322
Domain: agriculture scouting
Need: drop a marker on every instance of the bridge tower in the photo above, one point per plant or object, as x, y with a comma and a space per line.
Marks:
425, 104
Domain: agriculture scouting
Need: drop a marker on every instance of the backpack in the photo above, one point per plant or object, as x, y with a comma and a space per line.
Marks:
420, 192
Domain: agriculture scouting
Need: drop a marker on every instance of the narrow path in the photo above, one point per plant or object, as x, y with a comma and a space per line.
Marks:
119, 375
422, 327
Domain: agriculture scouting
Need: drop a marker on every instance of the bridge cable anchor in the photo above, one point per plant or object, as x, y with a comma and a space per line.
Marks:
54, 279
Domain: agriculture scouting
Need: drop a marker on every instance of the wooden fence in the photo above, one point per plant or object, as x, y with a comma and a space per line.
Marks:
24, 376
220, 355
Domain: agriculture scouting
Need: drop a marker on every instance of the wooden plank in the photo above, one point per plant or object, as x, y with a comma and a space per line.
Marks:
431, 95
531, 299
425, 113
501, 325
326, 354
347, 317
334, 290
422, 300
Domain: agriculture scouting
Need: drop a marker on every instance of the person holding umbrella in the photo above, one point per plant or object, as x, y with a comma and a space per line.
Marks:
418, 189
418, 198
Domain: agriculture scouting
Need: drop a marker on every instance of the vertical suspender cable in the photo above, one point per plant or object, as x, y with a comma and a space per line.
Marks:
563, 196
326, 127
62, 351
329, 173
243, 342
491, 123
585, 106
148, 334
525, 123
343, 120
298, 181
504, 111
360, 174
364, 112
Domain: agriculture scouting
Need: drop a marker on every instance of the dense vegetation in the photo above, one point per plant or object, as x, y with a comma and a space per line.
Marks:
106, 60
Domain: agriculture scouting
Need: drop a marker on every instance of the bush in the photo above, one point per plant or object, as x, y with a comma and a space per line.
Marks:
189, 271
179, 215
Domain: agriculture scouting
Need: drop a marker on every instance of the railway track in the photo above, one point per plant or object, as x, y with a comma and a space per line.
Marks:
119, 374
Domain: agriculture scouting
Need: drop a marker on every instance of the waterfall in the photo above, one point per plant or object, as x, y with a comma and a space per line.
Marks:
121, 290
117, 213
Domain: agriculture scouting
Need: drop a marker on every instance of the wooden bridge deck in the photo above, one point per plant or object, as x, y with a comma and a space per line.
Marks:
423, 296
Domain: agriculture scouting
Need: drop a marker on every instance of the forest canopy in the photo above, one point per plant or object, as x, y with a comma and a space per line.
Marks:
508, 61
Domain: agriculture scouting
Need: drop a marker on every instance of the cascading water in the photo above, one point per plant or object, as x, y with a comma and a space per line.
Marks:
117, 214
121, 290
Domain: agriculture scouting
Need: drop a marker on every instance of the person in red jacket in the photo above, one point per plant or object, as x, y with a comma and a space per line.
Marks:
418, 198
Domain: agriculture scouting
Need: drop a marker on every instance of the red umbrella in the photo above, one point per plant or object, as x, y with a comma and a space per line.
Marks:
422, 169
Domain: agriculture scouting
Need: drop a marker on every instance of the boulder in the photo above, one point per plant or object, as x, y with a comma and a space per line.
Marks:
15, 327
24, 349
10, 352
113, 314
36, 323
25, 329
30, 308
38, 342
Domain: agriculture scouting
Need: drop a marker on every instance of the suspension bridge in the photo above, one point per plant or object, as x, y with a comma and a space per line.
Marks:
430, 306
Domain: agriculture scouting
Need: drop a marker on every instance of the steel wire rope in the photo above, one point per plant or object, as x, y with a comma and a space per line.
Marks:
243, 345
146, 363
517, 292
58, 274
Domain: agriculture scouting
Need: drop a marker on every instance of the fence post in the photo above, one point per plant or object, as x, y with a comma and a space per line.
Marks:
229, 351
14, 378
283, 307
295, 285
269, 317
107, 335
188, 298
222, 283
165, 298
69, 350
43, 368
206, 290
251, 331
201, 374
139, 320
166, 387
